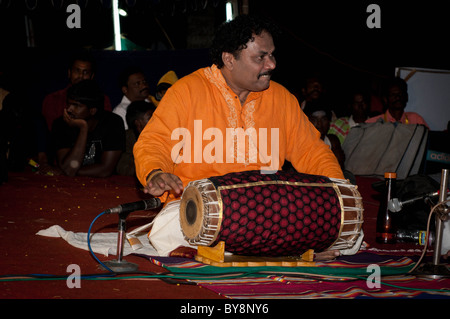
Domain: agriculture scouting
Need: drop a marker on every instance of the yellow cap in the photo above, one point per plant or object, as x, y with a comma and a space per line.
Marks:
390, 175
170, 77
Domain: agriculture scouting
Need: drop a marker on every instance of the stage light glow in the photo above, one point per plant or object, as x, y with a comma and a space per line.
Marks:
116, 22
229, 11
123, 13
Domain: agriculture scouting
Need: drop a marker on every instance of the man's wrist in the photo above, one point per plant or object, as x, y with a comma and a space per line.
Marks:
153, 174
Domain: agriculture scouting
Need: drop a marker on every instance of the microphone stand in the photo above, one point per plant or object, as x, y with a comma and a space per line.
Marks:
121, 265
435, 270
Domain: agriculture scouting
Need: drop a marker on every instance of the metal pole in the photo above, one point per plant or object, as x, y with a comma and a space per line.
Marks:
121, 265
439, 225
120, 239
434, 270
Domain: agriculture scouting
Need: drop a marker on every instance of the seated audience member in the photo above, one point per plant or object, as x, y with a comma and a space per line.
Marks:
359, 109
396, 98
320, 117
313, 91
134, 87
166, 81
138, 114
87, 139
81, 67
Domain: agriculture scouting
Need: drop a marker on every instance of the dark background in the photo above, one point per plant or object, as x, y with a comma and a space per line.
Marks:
329, 37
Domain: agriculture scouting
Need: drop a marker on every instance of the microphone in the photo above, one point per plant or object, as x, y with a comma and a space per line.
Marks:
395, 205
145, 204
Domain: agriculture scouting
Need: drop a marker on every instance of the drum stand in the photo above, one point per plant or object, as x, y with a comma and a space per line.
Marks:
215, 256
121, 265
435, 270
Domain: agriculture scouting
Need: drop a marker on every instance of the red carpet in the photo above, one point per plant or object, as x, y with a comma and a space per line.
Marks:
31, 202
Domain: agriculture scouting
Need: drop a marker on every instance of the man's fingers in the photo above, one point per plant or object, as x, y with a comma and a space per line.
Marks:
175, 184
164, 182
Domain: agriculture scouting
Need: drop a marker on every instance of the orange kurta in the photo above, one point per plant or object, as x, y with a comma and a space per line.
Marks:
187, 134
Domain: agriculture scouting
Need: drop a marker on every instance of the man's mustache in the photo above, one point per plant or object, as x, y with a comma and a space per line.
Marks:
265, 73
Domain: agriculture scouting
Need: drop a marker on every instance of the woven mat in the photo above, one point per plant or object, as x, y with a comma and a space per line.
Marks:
345, 277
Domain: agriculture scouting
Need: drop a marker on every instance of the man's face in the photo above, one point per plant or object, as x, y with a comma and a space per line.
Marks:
137, 87
254, 65
396, 98
359, 105
313, 89
77, 110
81, 70
321, 122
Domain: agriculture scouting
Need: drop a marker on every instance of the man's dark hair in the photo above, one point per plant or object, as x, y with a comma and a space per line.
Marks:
136, 110
126, 73
232, 36
395, 81
318, 105
85, 56
88, 93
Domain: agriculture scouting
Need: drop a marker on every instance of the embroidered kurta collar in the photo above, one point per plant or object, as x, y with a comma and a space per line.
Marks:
214, 74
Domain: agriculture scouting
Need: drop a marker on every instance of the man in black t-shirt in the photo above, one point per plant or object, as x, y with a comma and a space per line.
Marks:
88, 140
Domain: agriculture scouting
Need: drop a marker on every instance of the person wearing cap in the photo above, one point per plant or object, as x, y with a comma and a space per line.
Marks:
166, 81
88, 140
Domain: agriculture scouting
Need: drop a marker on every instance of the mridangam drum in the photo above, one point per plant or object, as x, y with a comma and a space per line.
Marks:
281, 214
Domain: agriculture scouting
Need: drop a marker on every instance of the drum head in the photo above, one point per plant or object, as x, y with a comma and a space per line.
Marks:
191, 212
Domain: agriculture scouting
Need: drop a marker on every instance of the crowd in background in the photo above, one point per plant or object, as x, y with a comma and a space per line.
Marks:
30, 138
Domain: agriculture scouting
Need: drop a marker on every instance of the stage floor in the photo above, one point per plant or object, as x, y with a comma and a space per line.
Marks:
30, 202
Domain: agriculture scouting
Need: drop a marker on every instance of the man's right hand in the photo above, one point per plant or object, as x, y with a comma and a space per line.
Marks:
73, 122
161, 182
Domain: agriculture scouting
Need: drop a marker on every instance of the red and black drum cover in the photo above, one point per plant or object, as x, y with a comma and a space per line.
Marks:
280, 214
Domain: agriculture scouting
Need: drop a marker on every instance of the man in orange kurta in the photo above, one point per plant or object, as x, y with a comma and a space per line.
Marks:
203, 101
194, 132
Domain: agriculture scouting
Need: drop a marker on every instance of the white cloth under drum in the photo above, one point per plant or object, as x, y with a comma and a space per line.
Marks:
166, 234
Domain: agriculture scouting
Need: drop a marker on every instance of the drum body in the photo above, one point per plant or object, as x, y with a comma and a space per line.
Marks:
281, 214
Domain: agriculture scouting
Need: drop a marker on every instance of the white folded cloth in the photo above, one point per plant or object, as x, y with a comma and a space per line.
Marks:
101, 243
